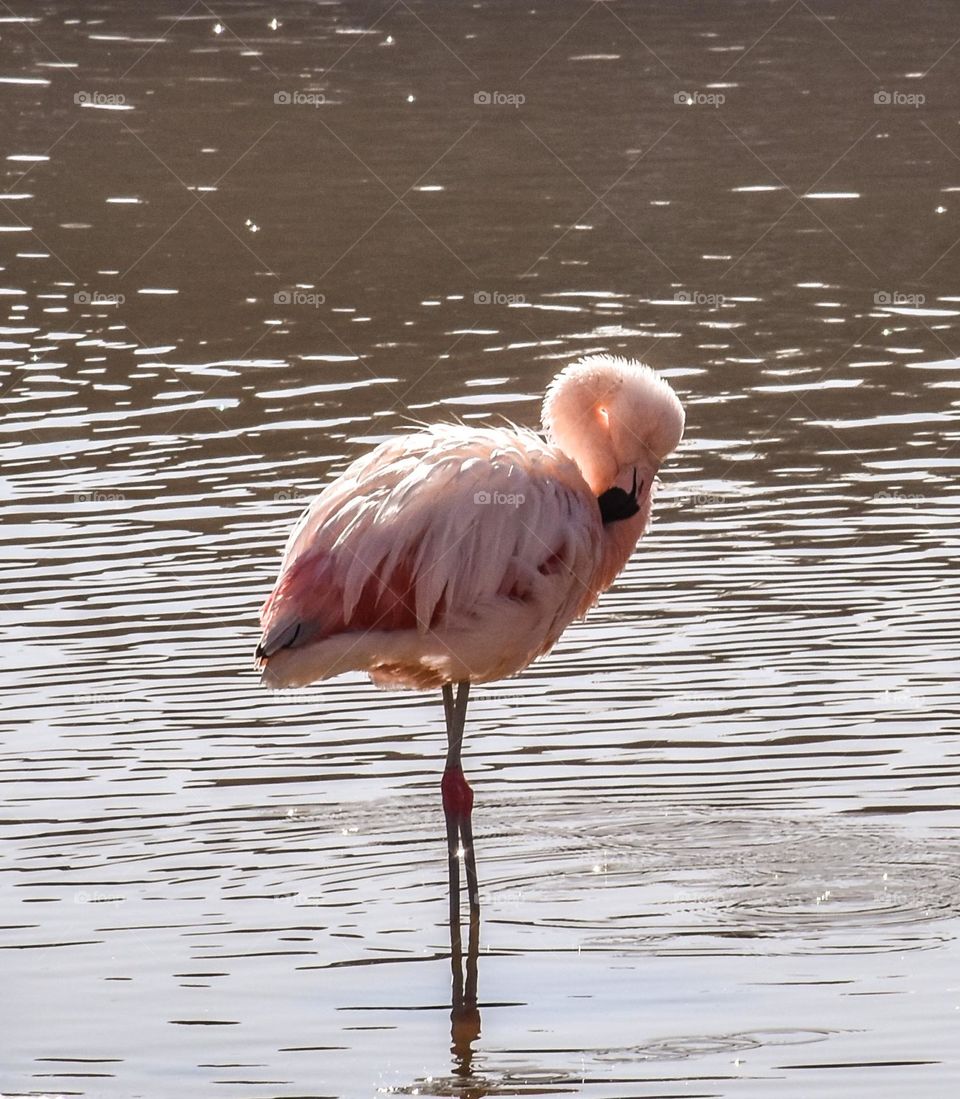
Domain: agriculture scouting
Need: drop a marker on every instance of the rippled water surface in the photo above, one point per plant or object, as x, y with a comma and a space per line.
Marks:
718, 826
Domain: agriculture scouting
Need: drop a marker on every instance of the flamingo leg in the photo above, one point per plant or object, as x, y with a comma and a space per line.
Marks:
466, 819
453, 866
458, 806
470, 864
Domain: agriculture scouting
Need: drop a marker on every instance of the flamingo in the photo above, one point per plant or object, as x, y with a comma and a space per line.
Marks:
457, 555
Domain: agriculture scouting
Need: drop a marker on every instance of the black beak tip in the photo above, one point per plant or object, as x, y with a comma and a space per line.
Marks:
616, 503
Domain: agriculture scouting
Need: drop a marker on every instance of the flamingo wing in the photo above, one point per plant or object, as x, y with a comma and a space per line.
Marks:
430, 531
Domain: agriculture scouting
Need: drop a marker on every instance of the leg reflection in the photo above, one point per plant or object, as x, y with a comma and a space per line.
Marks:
465, 1015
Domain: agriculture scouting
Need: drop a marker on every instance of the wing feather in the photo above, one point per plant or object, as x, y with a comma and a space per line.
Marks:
429, 528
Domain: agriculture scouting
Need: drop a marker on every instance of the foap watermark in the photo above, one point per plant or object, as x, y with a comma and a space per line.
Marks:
504, 899
894, 496
99, 99
902, 699
98, 699
699, 99
698, 297
499, 99
291, 496
299, 99
299, 297
499, 499
884, 98
496, 297
294, 697
97, 297
701, 499
696, 699
37, 1095
500, 698
296, 899
895, 297
94, 897
96, 497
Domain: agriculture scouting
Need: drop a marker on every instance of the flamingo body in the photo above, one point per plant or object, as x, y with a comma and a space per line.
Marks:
460, 554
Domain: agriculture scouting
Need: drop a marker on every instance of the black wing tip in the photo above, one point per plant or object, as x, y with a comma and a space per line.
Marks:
285, 641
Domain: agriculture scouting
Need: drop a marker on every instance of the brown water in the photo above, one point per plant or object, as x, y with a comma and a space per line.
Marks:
718, 826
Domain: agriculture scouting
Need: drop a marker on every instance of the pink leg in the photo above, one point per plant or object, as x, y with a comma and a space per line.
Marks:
453, 869
458, 804
458, 809
457, 794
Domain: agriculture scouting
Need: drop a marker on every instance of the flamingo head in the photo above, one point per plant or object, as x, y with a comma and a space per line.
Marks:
616, 419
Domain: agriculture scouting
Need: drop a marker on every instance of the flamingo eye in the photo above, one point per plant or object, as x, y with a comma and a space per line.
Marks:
604, 416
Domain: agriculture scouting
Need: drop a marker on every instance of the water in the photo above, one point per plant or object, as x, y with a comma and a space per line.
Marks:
718, 826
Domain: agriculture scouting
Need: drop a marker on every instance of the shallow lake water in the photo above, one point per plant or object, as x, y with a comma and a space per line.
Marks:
717, 828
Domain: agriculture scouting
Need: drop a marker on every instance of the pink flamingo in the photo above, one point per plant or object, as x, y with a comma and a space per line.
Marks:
457, 555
